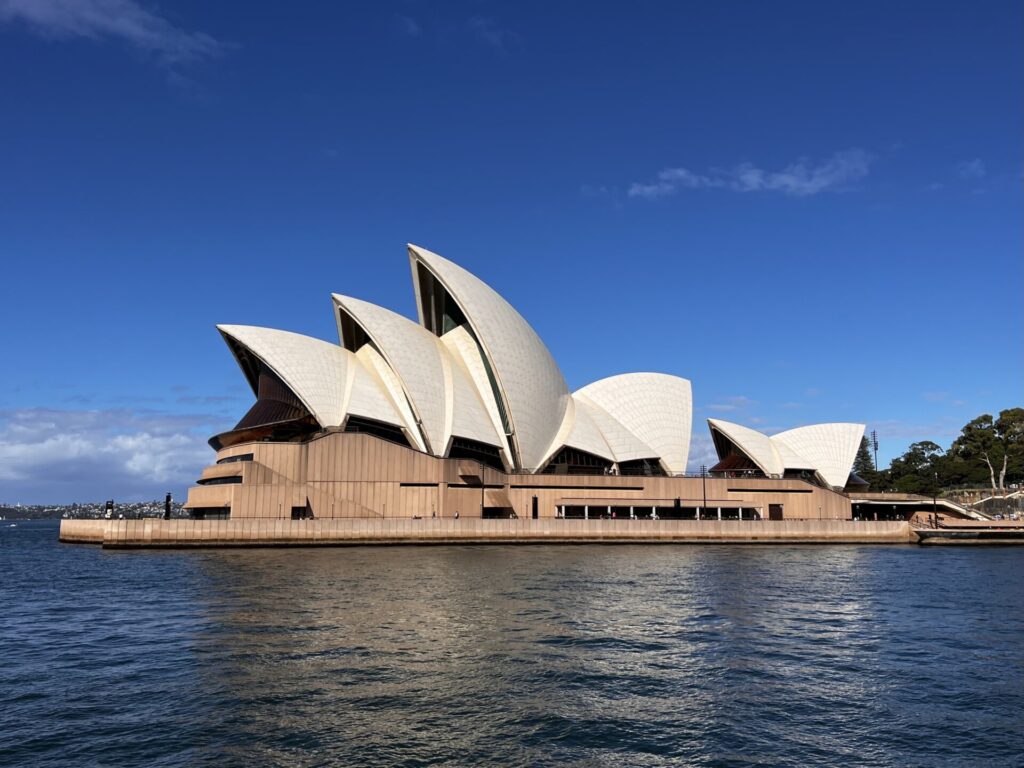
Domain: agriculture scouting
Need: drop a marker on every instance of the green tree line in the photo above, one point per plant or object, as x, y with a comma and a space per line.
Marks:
988, 452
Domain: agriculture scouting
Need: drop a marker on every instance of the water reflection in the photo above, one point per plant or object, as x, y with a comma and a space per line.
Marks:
562, 654
590, 655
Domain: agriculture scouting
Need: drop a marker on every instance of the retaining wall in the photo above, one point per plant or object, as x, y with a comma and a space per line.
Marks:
274, 532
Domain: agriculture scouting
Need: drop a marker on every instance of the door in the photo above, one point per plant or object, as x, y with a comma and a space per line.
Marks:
774, 511
534, 515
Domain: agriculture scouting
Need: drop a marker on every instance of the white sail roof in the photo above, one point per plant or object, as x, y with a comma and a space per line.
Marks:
388, 382
315, 370
624, 445
830, 448
655, 407
366, 396
468, 414
330, 381
585, 434
415, 355
475, 369
756, 445
527, 378
475, 411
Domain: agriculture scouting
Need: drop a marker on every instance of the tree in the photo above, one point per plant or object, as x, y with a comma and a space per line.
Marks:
987, 450
1009, 429
916, 471
984, 445
863, 465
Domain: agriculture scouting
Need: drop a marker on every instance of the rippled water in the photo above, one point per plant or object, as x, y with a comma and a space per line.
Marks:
539, 655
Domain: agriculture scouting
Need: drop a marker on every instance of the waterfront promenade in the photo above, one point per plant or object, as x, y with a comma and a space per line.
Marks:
155, 533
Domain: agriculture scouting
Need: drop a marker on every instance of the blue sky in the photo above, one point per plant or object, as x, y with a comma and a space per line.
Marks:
811, 210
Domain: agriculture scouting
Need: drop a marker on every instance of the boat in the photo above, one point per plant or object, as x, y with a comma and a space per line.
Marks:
931, 536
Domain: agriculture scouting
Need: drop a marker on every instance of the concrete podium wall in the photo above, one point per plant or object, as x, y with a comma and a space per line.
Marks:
357, 475
273, 532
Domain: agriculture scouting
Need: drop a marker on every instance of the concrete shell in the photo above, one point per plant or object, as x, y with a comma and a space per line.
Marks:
329, 380
366, 397
655, 407
624, 445
829, 448
534, 393
585, 434
468, 414
315, 370
417, 358
756, 445
475, 413
389, 383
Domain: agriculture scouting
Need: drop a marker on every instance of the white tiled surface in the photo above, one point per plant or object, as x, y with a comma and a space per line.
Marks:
535, 392
475, 413
622, 443
757, 445
367, 397
388, 381
585, 434
831, 448
315, 370
415, 355
655, 407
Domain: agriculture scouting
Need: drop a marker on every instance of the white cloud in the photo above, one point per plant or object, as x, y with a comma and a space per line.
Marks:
49, 455
800, 179
729, 404
972, 169
702, 451
124, 20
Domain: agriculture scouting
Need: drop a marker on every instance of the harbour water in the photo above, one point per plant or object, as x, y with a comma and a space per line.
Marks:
502, 655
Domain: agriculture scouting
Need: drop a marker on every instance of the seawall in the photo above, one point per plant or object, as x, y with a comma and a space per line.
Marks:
155, 533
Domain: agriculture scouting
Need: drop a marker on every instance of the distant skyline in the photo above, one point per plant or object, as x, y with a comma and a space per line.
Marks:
812, 211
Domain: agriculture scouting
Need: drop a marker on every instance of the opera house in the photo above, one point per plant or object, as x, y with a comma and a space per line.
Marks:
465, 413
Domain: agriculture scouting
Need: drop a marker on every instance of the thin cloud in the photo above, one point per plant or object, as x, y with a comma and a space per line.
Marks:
972, 169
124, 20
739, 402
207, 399
800, 179
407, 25
490, 33
943, 397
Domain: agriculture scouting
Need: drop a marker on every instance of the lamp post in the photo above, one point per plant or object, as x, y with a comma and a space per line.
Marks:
704, 485
935, 493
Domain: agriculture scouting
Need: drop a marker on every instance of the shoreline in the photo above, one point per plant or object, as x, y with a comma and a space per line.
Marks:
257, 532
